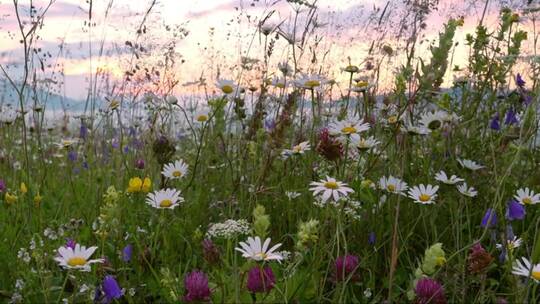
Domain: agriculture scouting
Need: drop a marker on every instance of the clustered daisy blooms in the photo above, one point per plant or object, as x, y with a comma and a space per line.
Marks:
452, 180
175, 170
392, 185
469, 164
349, 128
299, 149
424, 194
330, 188
255, 250
525, 268
164, 199
525, 196
77, 257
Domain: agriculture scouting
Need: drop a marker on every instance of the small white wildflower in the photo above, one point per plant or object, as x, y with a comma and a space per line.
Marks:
23, 255
292, 195
19, 284
367, 293
228, 229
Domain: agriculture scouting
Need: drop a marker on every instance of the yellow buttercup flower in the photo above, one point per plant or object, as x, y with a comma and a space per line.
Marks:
135, 185
24, 189
147, 185
37, 200
10, 198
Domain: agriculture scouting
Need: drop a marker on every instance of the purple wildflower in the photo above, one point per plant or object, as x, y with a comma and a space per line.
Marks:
495, 125
260, 279
372, 238
519, 81
2, 185
139, 163
490, 219
196, 285
70, 243
346, 266
111, 289
127, 252
511, 117
428, 290
83, 132
515, 211
72, 156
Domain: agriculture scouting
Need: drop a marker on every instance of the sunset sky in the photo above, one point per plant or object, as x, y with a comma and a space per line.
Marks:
348, 33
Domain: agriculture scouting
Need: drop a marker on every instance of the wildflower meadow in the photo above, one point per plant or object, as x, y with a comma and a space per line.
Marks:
293, 151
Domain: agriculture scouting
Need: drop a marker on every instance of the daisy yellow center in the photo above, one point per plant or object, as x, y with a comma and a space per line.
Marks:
391, 188
165, 203
527, 201
262, 255
312, 83
536, 275
227, 89
331, 185
177, 173
434, 125
280, 85
297, 149
202, 118
392, 119
76, 261
424, 197
361, 84
348, 130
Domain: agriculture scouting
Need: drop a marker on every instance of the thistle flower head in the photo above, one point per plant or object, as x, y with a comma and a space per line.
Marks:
196, 285
428, 290
260, 279
345, 267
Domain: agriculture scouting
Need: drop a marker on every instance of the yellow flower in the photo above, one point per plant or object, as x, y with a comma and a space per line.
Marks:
147, 185
135, 185
37, 200
10, 198
23, 188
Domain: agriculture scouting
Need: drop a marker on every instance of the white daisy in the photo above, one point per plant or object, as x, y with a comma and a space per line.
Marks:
470, 192
469, 164
310, 82
279, 82
172, 100
164, 199
292, 195
201, 117
299, 149
452, 180
364, 144
415, 130
527, 197
66, 143
350, 128
76, 258
392, 185
526, 269
254, 250
433, 120
177, 169
226, 86
511, 244
423, 194
330, 188
360, 86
